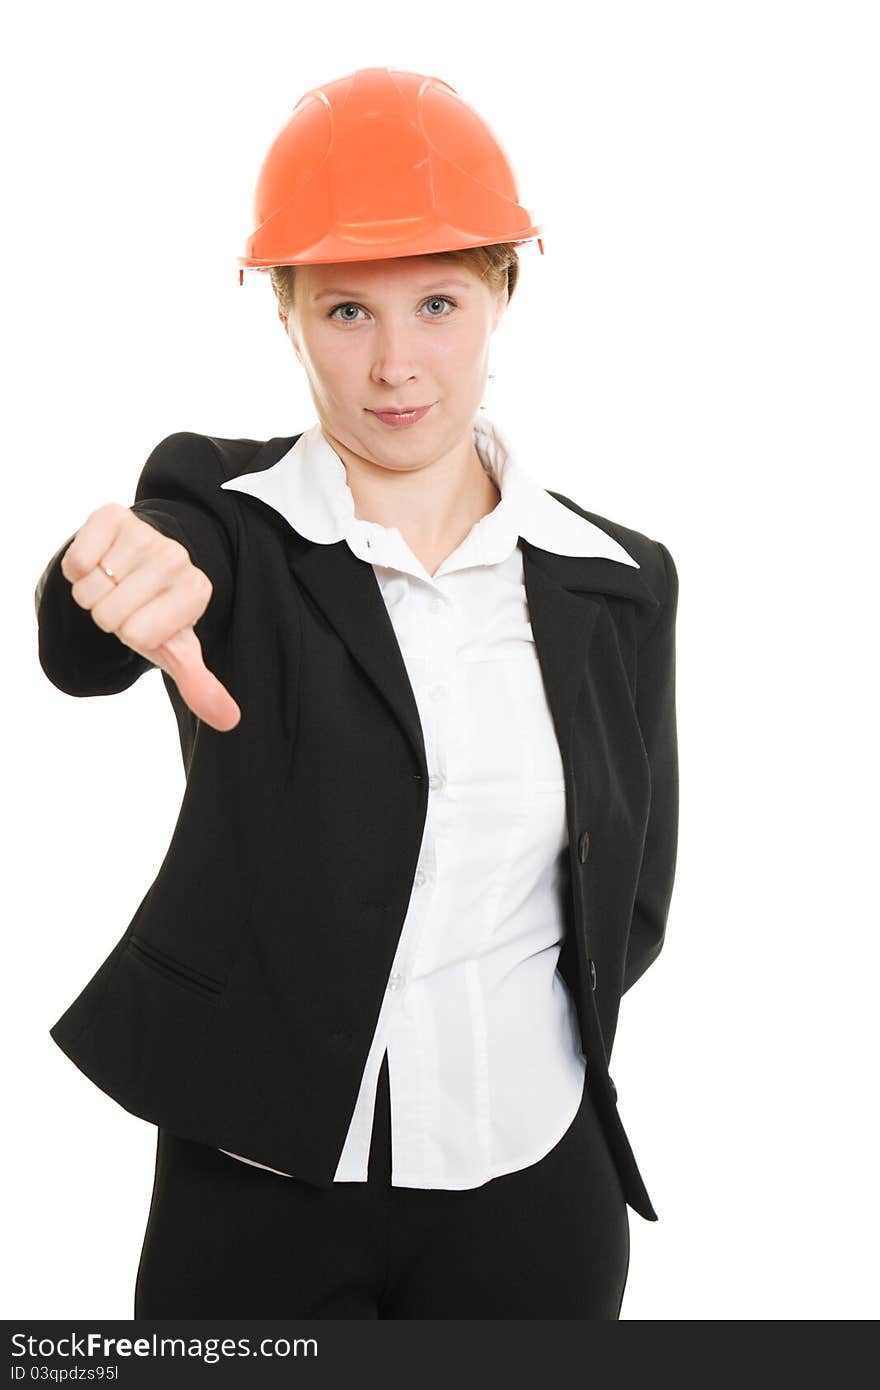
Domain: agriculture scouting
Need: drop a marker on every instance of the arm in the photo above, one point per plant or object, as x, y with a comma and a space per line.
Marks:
655, 708
178, 493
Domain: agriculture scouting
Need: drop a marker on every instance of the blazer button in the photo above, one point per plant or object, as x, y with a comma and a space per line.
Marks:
592, 966
584, 846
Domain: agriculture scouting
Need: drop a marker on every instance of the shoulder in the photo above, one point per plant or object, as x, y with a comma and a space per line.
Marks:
194, 459
656, 565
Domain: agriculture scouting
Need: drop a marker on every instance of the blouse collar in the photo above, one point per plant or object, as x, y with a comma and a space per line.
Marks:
309, 487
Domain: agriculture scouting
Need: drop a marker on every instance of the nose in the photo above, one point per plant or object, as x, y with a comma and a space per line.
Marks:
394, 359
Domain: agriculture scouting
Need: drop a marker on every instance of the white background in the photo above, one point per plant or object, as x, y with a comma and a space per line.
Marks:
695, 355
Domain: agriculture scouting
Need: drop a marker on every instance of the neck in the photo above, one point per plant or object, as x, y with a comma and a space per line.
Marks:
433, 505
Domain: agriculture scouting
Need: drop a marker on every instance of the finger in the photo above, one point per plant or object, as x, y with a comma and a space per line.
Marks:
181, 657
162, 593
93, 540
145, 612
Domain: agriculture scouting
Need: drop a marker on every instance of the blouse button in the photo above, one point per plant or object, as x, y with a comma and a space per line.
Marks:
584, 846
420, 878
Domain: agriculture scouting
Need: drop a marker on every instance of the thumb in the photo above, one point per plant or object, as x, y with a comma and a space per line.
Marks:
181, 657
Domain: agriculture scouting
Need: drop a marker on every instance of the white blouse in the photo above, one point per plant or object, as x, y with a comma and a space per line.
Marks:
485, 1064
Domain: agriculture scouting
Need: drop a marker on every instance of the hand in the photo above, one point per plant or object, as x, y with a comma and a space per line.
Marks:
158, 596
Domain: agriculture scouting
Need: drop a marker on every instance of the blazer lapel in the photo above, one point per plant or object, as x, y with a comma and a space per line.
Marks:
563, 609
561, 592
347, 592
562, 626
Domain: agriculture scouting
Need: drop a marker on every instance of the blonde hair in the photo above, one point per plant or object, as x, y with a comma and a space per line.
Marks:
496, 265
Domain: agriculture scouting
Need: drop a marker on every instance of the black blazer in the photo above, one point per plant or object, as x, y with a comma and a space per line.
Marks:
238, 1007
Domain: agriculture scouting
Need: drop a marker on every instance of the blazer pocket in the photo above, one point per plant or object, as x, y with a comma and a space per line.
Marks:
187, 975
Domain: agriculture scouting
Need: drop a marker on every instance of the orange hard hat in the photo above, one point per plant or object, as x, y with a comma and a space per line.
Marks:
380, 164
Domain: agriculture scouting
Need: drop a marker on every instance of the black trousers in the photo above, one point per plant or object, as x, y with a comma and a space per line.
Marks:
227, 1240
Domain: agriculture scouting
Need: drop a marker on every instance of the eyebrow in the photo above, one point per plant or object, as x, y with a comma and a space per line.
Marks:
423, 289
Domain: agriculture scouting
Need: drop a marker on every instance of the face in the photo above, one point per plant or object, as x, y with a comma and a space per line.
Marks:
399, 333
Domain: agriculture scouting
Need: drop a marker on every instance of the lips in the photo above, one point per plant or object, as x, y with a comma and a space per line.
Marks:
401, 417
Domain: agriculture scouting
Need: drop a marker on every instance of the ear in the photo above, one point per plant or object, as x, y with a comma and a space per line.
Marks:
285, 320
500, 306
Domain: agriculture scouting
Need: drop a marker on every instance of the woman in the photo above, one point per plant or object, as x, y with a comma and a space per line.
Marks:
428, 838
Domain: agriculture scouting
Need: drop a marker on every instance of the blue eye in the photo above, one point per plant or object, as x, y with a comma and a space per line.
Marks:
434, 299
